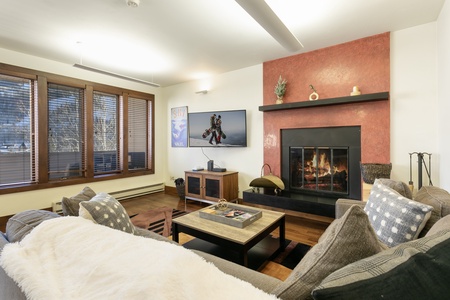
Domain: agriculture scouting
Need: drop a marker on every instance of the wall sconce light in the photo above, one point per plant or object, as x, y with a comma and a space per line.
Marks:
202, 92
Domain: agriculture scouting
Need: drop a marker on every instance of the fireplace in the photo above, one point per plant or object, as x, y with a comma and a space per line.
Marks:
318, 166
323, 162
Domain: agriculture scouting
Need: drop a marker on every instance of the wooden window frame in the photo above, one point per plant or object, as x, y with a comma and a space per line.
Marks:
41, 134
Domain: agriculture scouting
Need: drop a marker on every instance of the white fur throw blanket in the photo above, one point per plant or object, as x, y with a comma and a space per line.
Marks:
73, 258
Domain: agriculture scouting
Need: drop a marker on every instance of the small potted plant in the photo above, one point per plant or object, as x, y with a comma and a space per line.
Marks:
280, 89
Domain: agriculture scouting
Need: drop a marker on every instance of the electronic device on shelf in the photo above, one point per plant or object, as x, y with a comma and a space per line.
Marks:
210, 165
197, 168
219, 169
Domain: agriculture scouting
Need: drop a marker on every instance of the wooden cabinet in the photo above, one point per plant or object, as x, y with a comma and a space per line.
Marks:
207, 186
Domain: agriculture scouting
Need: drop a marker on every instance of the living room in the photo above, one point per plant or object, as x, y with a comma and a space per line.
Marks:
418, 71
411, 66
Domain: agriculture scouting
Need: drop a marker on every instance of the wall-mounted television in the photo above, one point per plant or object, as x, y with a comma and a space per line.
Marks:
218, 128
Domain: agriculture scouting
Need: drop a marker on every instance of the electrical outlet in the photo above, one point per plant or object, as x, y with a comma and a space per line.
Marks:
172, 178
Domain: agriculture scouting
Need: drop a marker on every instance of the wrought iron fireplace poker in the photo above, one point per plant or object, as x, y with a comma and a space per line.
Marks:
420, 162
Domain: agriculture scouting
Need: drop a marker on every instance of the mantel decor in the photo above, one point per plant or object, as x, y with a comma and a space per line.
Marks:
326, 102
280, 89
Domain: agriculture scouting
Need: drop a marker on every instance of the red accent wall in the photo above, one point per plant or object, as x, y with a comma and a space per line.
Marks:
333, 72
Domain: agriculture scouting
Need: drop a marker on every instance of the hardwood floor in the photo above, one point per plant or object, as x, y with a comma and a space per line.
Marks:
298, 229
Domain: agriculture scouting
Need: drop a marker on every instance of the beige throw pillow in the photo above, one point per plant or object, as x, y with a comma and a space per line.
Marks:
419, 269
346, 240
105, 210
439, 199
71, 206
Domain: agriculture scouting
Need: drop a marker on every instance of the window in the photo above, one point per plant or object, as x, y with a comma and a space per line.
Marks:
57, 131
138, 137
106, 154
16, 119
65, 131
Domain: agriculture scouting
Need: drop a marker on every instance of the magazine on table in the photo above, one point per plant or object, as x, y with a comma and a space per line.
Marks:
230, 213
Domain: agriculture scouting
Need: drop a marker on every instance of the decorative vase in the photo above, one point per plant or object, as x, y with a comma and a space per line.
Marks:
279, 100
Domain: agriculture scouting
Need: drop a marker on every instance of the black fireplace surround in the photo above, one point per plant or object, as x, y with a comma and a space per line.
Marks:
308, 188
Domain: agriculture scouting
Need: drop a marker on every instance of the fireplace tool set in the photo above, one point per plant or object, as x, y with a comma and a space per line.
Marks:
420, 162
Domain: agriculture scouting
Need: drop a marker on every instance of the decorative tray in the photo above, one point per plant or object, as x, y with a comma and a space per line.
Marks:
233, 215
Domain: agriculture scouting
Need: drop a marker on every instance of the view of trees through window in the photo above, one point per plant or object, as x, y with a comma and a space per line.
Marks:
105, 133
65, 131
72, 132
15, 130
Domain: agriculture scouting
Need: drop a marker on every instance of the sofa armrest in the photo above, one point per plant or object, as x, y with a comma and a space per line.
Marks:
342, 205
8, 287
150, 234
260, 280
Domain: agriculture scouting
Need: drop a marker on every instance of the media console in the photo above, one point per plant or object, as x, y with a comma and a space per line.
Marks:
210, 186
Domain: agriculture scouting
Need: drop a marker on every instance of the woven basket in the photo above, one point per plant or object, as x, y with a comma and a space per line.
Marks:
181, 191
370, 172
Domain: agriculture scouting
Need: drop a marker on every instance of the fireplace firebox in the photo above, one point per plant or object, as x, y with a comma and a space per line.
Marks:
319, 169
322, 161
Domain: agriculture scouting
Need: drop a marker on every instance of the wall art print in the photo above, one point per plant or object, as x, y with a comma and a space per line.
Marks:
179, 126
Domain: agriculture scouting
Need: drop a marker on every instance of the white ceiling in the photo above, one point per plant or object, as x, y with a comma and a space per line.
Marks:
173, 41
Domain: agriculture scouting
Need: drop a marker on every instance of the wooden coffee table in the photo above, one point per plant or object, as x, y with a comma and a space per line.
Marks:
222, 240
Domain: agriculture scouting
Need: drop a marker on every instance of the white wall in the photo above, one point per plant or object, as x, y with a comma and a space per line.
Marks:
414, 108
13, 203
418, 115
241, 89
443, 45
413, 95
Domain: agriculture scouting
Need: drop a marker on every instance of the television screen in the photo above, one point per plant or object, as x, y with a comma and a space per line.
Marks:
218, 129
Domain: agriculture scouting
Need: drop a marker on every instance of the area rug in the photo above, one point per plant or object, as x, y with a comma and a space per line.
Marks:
289, 257
292, 254
158, 226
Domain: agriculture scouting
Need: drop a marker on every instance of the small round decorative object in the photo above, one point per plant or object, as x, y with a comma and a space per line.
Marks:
222, 204
313, 96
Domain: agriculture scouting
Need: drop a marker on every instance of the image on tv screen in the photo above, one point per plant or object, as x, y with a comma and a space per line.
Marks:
218, 129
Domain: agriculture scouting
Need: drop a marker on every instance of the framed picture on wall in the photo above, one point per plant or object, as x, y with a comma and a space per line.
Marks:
179, 126
218, 129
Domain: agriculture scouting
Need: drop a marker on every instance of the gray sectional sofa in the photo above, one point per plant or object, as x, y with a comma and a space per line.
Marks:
352, 259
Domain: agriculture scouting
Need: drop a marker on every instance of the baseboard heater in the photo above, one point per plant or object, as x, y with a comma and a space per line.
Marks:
139, 191
122, 195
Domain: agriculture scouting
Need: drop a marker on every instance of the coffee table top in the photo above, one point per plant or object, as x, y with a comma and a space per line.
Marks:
228, 232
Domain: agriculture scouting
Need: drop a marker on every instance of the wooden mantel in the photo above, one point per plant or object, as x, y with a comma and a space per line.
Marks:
327, 102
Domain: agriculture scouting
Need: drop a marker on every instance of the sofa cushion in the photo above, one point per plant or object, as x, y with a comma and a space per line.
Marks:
19, 225
442, 224
418, 269
346, 240
8, 288
2, 235
439, 199
396, 219
105, 210
399, 186
71, 206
